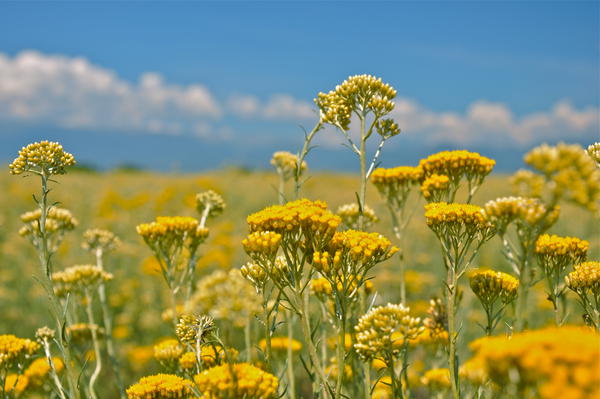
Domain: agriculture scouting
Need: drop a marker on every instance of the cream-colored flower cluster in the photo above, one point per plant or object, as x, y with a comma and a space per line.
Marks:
225, 296
44, 157
210, 202
58, 222
361, 94
379, 330
193, 328
593, 151
99, 239
78, 279
352, 217
527, 213
286, 164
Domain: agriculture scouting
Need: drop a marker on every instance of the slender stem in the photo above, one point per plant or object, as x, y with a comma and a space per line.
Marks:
267, 330
394, 383
363, 169
281, 189
106, 316
248, 340
96, 342
53, 373
290, 355
341, 361
204, 216
302, 155
452, 335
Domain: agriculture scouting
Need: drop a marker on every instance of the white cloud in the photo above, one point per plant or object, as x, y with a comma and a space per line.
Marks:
73, 93
277, 107
486, 122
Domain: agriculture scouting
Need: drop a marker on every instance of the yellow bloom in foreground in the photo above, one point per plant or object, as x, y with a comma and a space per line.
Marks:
556, 362
13, 349
161, 386
240, 380
444, 214
281, 344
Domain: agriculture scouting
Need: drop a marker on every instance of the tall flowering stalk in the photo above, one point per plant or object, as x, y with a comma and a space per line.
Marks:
519, 222
80, 281
46, 159
99, 242
555, 254
461, 230
174, 241
395, 186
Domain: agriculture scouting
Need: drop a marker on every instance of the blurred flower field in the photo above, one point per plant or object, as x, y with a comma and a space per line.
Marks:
264, 284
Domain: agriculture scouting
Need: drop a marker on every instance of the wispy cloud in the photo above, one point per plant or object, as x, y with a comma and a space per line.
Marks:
277, 107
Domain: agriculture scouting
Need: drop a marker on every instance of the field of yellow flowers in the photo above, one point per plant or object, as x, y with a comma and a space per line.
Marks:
437, 280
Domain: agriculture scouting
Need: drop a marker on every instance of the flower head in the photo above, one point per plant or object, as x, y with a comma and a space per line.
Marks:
351, 216
44, 157
192, 328
490, 286
98, 239
457, 165
527, 213
161, 386
281, 344
435, 187
379, 330
38, 371
240, 380
14, 349
210, 202
593, 151
77, 279
436, 379
394, 184
557, 253
286, 164
168, 352
585, 278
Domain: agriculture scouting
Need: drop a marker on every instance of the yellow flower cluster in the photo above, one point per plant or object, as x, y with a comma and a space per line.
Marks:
434, 187
167, 230
457, 164
555, 362
585, 277
490, 285
57, 220
98, 239
473, 371
15, 384
210, 202
209, 355
593, 151
14, 349
351, 216
77, 279
168, 352
262, 243
394, 184
526, 212
359, 93
192, 328
454, 220
321, 287
570, 172
226, 296
378, 330
42, 157
281, 344
352, 252
436, 379
431, 336
240, 380
301, 216
286, 164
255, 274
38, 371
161, 386
559, 252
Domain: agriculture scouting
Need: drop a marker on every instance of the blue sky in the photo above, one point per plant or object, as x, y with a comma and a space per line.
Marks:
238, 79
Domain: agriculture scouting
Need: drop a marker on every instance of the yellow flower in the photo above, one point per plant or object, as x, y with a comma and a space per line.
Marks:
38, 371
240, 380
42, 157
161, 386
265, 243
435, 187
490, 285
561, 251
193, 328
168, 352
526, 183
593, 151
82, 332
210, 356
14, 349
332, 371
379, 331
585, 277
394, 184
555, 362
444, 214
281, 344
166, 232
16, 384
457, 165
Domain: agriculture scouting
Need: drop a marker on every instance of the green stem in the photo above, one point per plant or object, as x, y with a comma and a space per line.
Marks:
452, 334
394, 383
341, 361
96, 343
302, 155
268, 350
290, 355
